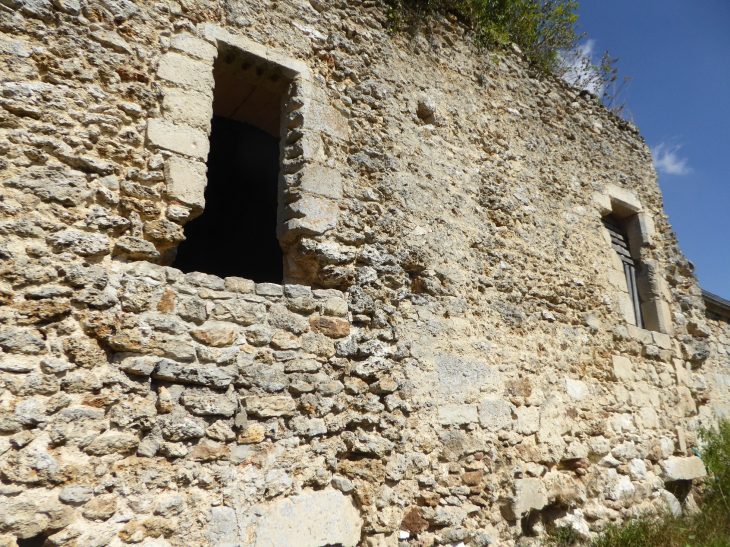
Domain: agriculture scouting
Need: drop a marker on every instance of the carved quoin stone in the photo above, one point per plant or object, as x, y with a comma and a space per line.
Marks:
453, 356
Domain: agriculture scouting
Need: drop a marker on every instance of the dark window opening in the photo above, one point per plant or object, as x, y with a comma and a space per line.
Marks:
35, 541
236, 233
620, 244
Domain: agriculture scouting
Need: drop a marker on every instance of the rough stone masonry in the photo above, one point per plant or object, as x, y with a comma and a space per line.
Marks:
452, 357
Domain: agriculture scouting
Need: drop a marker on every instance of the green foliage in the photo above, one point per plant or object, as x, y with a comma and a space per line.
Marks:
710, 527
541, 28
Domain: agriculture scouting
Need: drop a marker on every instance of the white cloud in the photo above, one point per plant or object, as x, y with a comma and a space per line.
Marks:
667, 161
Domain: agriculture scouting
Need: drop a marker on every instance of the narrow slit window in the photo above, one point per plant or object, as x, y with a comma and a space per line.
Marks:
236, 233
620, 244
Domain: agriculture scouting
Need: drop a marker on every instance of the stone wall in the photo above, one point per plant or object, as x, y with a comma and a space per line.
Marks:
450, 360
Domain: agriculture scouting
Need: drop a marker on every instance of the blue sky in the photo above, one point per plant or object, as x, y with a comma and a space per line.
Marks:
678, 55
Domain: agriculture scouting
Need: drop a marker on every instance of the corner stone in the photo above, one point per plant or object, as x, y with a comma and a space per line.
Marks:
177, 138
186, 181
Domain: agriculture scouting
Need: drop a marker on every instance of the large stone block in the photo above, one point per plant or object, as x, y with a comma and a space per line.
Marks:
528, 494
188, 107
177, 138
458, 414
186, 181
194, 47
311, 519
683, 469
313, 216
318, 179
185, 72
495, 414
622, 368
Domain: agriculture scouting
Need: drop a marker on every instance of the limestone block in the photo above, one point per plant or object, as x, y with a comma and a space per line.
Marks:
177, 138
185, 72
617, 278
626, 307
623, 202
313, 216
112, 40
622, 368
188, 107
194, 47
528, 420
528, 494
640, 230
76, 494
618, 486
216, 334
204, 403
683, 469
495, 414
192, 374
311, 519
223, 527
309, 427
81, 243
318, 179
110, 443
269, 407
602, 203
334, 327
576, 389
458, 414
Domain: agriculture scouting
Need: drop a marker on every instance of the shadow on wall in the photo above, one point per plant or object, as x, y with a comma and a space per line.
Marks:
236, 234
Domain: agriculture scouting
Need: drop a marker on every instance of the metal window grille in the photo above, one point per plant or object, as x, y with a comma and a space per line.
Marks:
620, 244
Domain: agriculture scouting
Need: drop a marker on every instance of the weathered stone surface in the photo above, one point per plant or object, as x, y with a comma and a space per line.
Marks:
111, 443
202, 402
177, 138
60, 185
330, 326
186, 181
192, 374
528, 494
76, 494
215, 334
101, 508
458, 414
683, 469
311, 519
622, 368
268, 407
495, 414
81, 243
21, 340
135, 247
186, 72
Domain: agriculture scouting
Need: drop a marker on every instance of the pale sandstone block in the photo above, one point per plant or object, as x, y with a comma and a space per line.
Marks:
495, 414
683, 469
622, 368
188, 107
657, 316
186, 181
177, 138
194, 47
529, 494
626, 307
316, 215
458, 414
618, 280
311, 519
183, 71
623, 202
320, 180
602, 203
576, 389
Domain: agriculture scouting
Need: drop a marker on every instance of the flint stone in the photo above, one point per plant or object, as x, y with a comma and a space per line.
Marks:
205, 376
81, 243
683, 469
311, 519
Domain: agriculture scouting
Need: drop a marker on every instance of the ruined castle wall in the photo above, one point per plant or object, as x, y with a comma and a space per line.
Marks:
451, 358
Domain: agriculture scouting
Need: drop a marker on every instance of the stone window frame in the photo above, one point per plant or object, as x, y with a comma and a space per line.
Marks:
639, 226
309, 188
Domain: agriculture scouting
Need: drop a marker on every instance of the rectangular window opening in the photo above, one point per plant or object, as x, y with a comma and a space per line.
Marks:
620, 244
236, 234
